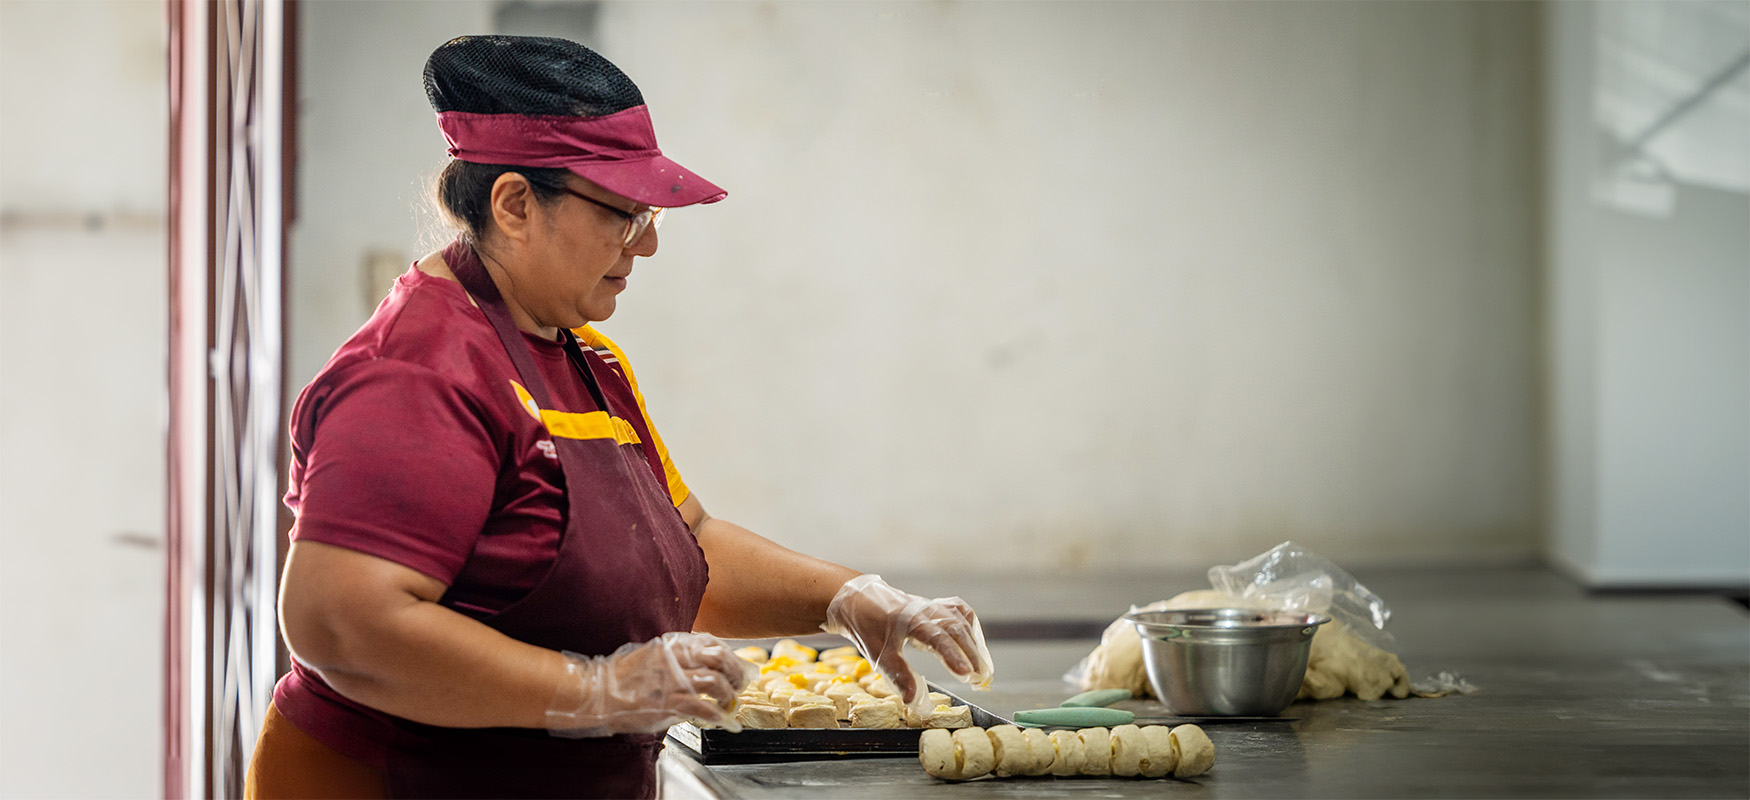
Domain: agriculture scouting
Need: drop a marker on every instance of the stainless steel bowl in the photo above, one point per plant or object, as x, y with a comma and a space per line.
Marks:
1226, 661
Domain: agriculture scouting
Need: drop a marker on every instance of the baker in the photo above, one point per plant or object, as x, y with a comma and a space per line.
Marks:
498, 584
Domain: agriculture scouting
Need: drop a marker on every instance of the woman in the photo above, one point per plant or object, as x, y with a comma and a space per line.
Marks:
496, 573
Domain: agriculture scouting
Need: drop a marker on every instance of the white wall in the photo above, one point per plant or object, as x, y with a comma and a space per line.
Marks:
1649, 341
1045, 286
82, 398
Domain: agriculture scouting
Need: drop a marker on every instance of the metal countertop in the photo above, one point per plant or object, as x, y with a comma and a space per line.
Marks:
1579, 695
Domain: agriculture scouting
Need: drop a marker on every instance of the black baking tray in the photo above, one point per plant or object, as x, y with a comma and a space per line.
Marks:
718, 746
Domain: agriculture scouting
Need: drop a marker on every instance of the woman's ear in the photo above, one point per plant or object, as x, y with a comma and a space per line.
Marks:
513, 206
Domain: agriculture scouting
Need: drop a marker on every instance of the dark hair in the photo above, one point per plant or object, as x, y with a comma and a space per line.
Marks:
464, 193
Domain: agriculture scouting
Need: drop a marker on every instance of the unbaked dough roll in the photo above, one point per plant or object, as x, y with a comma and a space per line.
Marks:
1163, 751
936, 753
1196, 752
1097, 751
1070, 753
977, 756
1014, 757
1043, 752
1129, 751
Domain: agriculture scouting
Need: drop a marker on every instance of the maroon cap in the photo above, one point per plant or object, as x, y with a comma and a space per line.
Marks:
616, 151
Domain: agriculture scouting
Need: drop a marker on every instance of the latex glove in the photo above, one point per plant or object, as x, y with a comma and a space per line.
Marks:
880, 619
646, 687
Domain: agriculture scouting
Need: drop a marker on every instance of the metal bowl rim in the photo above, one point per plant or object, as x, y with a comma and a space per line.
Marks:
1300, 619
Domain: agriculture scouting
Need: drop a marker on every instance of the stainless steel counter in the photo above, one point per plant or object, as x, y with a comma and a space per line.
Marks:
1580, 695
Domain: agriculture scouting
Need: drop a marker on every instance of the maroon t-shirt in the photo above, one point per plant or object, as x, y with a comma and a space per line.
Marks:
417, 443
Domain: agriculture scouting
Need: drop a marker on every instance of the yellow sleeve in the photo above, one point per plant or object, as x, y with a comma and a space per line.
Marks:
677, 489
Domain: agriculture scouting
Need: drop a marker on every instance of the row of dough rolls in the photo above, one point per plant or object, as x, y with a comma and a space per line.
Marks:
799, 687
1127, 751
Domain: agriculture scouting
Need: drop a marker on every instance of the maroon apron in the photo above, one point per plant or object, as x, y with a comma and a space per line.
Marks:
628, 570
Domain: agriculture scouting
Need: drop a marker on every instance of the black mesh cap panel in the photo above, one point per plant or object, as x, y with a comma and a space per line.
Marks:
528, 75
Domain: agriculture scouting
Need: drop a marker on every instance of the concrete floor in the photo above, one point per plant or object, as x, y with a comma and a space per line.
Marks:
1580, 695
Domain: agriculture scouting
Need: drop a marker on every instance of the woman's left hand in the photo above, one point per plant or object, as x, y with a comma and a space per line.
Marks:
880, 619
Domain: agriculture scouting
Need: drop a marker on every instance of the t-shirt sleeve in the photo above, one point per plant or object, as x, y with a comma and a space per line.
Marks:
677, 488
399, 464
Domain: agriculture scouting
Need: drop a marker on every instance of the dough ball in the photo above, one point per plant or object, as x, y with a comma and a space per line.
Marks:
936, 753
1070, 753
813, 716
1039, 743
1013, 755
1096, 751
1129, 751
753, 715
1196, 752
977, 756
1163, 752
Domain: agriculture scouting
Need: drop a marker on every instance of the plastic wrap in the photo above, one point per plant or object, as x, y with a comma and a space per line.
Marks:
1292, 577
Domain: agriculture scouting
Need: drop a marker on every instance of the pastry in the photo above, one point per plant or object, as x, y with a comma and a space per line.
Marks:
877, 713
752, 715
977, 756
1196, 752
793, 650
846, 653
950, 717
878, 685
813, 715
1069, 753
1129, 751
936, 753
1039, 744
1013, 756
1163, 752
756, 655
1096, 751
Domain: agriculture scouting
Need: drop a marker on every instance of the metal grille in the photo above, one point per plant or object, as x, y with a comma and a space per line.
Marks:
227, 62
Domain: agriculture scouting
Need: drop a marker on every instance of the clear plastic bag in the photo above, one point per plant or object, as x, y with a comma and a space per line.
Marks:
1292, 577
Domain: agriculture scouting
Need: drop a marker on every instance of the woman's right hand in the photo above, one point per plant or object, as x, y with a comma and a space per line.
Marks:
646, 687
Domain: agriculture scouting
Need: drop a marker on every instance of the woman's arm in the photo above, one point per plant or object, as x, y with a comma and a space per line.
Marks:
759, 588
374, 631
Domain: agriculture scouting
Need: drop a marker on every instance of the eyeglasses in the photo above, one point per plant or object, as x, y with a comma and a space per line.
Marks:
635, 223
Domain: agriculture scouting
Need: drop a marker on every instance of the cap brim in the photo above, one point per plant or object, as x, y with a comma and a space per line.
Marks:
655, 181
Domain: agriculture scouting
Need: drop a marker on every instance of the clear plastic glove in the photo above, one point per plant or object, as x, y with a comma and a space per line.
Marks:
880, 619
646, 687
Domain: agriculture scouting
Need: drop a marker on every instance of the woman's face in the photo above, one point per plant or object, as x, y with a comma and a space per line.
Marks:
576, 264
